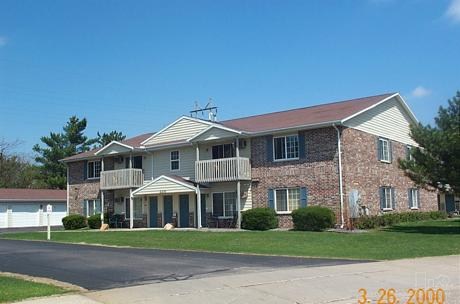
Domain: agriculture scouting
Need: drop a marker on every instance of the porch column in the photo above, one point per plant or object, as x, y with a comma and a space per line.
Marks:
238, 183
102, 195
131, 209
198, 192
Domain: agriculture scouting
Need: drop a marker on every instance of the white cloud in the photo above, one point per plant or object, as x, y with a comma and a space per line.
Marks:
420, 92
3, 41
453, 12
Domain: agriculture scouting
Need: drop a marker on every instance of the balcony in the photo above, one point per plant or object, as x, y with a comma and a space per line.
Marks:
121, 179
222, 170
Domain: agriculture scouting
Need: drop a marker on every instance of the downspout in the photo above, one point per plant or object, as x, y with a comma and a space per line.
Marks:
67, 165
339, 148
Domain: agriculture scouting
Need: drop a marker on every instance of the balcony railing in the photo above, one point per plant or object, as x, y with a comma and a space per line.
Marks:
120, 179
222, 170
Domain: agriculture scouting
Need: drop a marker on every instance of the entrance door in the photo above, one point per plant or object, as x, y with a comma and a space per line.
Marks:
168, 208
450, 203
153, 211
184, 210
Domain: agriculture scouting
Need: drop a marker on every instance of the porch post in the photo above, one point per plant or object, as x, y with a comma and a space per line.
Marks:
131, 209
198, 193
102, 195
238, 183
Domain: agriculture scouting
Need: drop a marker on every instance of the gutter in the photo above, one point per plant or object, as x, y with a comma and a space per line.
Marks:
339, 148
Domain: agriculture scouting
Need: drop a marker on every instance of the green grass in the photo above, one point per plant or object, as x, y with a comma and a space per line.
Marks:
430, 238
14, 289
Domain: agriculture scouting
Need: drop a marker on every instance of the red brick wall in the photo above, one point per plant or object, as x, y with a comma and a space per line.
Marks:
79, 188
317, 172
364, 172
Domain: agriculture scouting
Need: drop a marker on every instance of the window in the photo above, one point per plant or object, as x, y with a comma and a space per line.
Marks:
223, 151
387, 198
287, 200
136, 162
286, 147
137, 208
224, 204
175, 160
384, 150
414, 198
94, 169
91, 207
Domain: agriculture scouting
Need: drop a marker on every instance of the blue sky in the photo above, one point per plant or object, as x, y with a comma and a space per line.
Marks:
135, 66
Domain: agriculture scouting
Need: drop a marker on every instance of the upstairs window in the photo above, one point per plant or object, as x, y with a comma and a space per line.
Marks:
286, 147
384, 150
175, 160
94, 169
223, 151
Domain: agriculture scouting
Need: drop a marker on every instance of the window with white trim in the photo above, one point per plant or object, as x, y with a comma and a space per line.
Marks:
137, 208
414, 203
286, 147
94, 169
92, 207
384, 150
224, 204
287, 200
387, 198
175, 160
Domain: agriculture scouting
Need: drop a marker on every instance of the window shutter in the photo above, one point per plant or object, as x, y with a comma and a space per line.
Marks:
418, 199
98, 206
409, 195
85, 170
379, 149
303, 197
393, 198
271, 198
269, 146
390, 150
302, 145
84, 204
382, 198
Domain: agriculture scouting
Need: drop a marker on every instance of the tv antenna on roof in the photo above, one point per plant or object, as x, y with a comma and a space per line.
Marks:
209, 109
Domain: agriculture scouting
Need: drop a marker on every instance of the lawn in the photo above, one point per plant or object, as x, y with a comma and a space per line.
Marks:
15, 289
429, 238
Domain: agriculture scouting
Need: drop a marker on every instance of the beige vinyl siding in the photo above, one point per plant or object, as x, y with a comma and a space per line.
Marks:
183, 129
215, 134
162, 164
388, 119
165, 186
147, 166
206, 149
115, 149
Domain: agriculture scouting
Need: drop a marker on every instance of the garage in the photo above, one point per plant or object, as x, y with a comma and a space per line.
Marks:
27, 207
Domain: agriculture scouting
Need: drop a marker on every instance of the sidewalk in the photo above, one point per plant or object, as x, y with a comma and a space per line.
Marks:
330, 284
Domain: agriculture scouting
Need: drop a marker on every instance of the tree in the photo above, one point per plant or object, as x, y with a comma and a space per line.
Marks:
58, 146
107, 138
436, 162
15, 170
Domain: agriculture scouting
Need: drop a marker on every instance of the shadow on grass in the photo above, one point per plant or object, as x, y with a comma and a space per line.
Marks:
453, 228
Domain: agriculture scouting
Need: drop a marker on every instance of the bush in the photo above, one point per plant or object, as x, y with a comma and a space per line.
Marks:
74, 221
314, 218
390, 219
94, 221
259, 219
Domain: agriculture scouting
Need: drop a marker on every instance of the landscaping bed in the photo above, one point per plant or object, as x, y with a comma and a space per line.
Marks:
409, 240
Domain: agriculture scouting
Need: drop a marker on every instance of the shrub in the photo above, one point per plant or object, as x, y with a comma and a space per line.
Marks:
314, 218
94, 221
74, 221
390, 219
259, 219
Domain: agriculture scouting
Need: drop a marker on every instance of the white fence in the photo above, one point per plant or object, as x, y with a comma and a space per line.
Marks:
223, 170
119, 179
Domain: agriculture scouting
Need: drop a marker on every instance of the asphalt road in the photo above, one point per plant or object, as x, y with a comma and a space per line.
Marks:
97, 268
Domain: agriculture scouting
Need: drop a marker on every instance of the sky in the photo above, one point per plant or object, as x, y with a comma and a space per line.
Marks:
135, 66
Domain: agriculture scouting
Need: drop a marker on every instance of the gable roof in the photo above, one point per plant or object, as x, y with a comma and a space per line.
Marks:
14, 194
308, 116
134, 142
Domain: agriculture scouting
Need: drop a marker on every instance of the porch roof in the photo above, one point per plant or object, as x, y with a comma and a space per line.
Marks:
167, 184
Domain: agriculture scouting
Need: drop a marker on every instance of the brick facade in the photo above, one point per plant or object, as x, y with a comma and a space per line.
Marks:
317, 171
363, 171
80, 188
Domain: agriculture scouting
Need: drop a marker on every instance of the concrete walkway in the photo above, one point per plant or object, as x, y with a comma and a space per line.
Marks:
330, 284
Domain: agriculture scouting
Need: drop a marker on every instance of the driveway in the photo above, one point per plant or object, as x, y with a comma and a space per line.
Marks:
98, 268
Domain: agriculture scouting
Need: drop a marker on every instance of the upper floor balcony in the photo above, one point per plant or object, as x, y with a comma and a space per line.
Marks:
223, 170
121, 179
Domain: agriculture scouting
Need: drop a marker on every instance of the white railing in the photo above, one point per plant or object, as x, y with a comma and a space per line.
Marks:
223, 170
123, 178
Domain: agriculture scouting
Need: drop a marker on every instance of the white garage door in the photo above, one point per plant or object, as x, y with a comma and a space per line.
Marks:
3, 215
24, 215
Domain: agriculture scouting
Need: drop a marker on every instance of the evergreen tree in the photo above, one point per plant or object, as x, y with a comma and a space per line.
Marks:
107, 138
